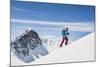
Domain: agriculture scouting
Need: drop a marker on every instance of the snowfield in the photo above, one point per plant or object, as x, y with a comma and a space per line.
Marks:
80, 50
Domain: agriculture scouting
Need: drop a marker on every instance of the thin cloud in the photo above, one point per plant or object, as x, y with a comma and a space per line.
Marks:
50, 23
20, 9
86, 27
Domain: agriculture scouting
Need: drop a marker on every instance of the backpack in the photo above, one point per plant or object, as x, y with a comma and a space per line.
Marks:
63, 32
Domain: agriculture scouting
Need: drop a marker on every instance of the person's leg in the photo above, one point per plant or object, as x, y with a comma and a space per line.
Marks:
66, 42
62, 42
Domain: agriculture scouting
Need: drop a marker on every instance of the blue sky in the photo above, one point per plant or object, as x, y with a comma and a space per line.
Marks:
49, 19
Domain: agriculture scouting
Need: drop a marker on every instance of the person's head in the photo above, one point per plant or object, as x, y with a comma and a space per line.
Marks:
67, 28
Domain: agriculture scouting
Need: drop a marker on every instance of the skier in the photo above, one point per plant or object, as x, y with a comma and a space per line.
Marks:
65, 34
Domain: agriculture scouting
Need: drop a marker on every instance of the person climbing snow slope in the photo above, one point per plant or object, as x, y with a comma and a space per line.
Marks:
65, 34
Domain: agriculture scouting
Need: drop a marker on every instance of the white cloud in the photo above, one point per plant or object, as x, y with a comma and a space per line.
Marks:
20, 9
76, 26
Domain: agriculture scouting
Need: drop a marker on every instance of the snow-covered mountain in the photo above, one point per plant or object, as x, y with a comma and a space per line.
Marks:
80, 50
27, 46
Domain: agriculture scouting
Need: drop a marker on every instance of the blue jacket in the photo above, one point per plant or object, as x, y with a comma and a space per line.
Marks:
65, 33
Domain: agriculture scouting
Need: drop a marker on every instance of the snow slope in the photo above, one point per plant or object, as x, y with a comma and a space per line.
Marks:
52, 43
80, 50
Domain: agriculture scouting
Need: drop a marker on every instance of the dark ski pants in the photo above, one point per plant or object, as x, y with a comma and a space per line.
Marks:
64, 39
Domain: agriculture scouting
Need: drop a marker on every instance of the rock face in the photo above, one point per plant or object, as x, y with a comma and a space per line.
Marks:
28, 45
